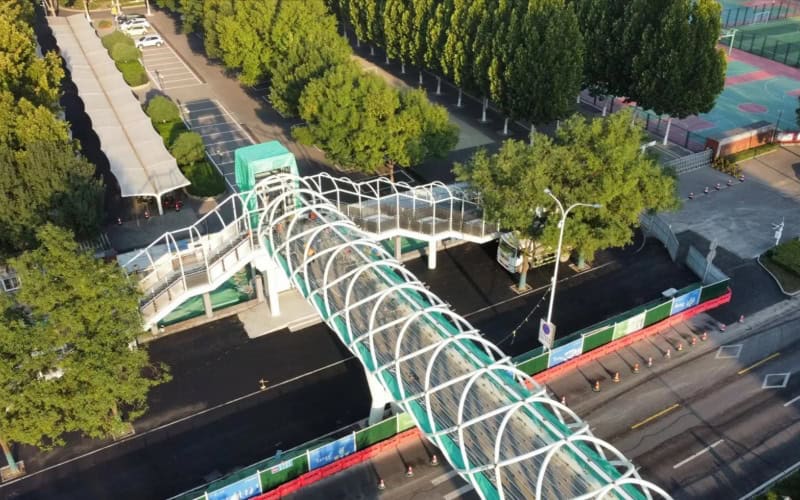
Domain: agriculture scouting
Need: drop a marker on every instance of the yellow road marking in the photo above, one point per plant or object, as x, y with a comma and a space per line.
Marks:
653, 417
758, 363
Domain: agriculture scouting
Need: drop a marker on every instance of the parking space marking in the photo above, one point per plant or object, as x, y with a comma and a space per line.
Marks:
444, 477
791, 401
780, 380
224, 142
223, 124
455, 494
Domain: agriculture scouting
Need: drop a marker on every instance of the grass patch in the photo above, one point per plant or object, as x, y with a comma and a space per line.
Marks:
789, 281
205, 179
752, 153
114, 38
133, 73
170, 131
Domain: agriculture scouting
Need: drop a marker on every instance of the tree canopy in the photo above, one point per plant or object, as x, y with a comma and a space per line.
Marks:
78, 315
598, 161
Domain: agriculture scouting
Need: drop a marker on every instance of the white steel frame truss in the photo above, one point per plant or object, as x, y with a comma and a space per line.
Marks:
401, 331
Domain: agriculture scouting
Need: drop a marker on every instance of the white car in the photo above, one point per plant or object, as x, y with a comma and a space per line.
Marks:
135, 31
149, 41
136, 21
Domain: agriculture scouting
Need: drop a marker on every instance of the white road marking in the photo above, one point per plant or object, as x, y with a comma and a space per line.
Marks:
729, 351
687, 460
223, 142
199, 84
791, 401
455, 494
186, 108
783, 377
444, 477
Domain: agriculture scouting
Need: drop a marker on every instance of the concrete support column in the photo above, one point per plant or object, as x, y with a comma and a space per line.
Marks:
379, 399
432, 254
272, 292
398, 249
259, 285
159, 205
207, 305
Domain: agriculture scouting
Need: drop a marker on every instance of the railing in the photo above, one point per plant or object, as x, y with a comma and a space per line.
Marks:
691, 162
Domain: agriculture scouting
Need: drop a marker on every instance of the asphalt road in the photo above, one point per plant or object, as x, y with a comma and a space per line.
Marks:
714, 421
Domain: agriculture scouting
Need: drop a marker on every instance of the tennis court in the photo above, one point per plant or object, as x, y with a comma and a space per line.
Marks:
746, 12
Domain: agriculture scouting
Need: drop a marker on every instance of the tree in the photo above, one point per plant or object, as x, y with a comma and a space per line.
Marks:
192, 15
362, 123
457, 56
86, 314
680, 70
214, 11
188, 148
22, 72
46, 182
398, 30
306, 44
366, 18
161, 109
244, 38
596, 161
22, 123
604, 25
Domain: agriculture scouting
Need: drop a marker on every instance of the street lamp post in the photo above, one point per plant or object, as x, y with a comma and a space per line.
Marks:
561, 224
147, 4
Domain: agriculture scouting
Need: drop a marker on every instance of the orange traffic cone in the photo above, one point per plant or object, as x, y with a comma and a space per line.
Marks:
694, 341
741, 318
616, 377
434, 460
409, 472
596, 387
381, 484
636, 368
649, 361
668, 353
722, 327
704, 337
564, 400
679, 347
691, 196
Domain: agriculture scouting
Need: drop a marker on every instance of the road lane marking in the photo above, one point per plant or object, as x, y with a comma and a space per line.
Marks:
791, 401
455, 494
655, 416
444, 477
692, 457
758, 363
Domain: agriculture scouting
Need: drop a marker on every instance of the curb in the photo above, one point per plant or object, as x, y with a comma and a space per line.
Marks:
777, 281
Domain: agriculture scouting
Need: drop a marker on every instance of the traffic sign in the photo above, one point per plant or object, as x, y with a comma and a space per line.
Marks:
547, 332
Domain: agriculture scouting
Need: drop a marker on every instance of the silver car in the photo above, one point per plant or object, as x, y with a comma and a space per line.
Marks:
149, 41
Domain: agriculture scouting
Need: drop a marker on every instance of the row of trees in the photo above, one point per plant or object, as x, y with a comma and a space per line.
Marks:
42, 178
531, 57
357, 119
65, 360
597, 161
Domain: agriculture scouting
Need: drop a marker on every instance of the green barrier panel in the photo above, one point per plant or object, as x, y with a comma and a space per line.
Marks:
714, 290
404, 422
658, 313
535, 365
284, 471
597, 339
376, 433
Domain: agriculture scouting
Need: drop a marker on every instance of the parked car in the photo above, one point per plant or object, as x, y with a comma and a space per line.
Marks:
149, 41
137, 21
124, 18
135, 31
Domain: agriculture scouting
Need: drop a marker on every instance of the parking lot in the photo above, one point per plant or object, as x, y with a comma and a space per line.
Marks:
166, 69
221, 133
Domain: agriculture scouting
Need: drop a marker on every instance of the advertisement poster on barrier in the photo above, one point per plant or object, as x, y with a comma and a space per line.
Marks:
685, 301
331, 452
630, 325
286, 464
565, 352
241, 489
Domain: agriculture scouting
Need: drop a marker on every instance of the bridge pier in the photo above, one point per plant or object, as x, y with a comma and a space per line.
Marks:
432, 254
398, 249
272, 290
380, 398
207, 305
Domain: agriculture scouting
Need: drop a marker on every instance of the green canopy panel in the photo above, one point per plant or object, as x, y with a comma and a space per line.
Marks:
260, 160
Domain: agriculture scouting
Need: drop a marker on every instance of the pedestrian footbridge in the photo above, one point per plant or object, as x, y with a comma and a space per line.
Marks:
462, 391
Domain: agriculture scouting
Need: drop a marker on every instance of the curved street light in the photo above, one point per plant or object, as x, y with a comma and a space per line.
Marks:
561, 224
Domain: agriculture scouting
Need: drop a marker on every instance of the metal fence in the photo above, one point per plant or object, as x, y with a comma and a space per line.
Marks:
768, 46
741, 16
655, 226
698, 263
692, 162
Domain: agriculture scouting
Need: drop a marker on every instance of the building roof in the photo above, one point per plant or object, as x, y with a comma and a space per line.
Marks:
137, 155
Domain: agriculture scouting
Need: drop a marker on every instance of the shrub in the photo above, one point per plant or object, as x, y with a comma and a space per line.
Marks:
728, 165
122, 53
104, 24
161, 109
188, 148
205, 179
133, 73
787, 255
114, 38
170, 131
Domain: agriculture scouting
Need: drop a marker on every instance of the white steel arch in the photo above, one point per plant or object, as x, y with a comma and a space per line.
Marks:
508, 441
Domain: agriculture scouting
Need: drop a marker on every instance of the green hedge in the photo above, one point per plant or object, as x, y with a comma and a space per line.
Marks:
114, 38
170, 131
205, 179
787, 255
133, 73
122, 53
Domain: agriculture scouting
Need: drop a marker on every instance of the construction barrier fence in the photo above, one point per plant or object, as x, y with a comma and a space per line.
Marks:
595, 336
